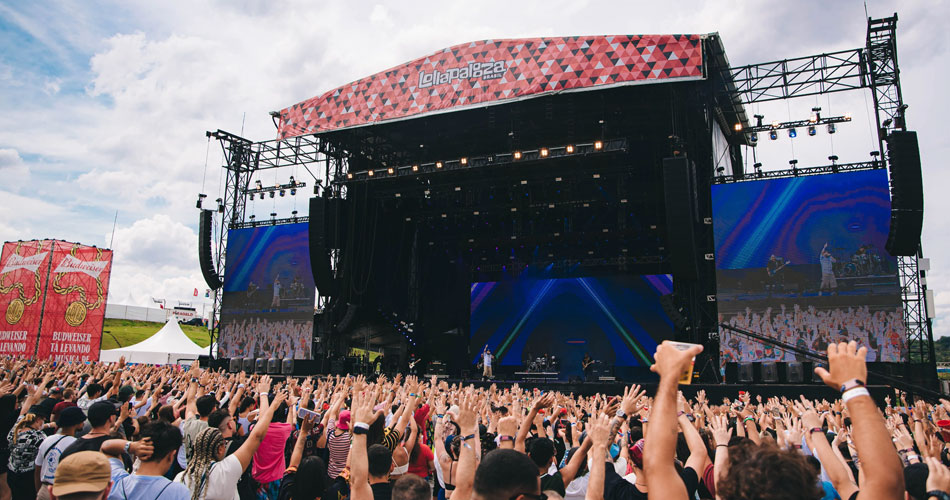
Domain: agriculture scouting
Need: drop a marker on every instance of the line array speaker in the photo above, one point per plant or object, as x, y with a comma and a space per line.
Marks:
204, 251
319, 247
680, 226
907, 194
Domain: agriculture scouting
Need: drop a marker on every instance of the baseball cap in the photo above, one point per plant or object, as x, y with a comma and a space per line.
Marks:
101, 410
82, 472
70, 416
40, 411
344, 421
62, 405
636, 453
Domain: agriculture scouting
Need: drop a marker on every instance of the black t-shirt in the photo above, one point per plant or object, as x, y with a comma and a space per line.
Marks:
382, 491
616, 487
94, 444
286, 491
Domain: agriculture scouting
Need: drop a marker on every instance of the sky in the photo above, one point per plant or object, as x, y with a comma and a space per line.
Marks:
105, 104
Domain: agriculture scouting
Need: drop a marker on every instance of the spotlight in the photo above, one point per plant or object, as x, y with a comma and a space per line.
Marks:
415, 168
464, 161
775, 124
720, 170
349, 176
273, 215
831, 128
811, 130
293, 191
834, 158
262, 196
370, 173
294, 213
271, 194
888, 122
258, 183
816, 114
517, 155
847, 117
544, 152
282, 193
438, 164
758, 120
737, 127
754, 137
569, 149
773, 135
390, 171
598, 145
792, 133
251, 217
292, 181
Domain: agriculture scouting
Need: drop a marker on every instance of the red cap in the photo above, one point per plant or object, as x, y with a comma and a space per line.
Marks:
943, 423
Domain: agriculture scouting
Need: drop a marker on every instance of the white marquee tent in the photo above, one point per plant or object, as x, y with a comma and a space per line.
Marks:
168, 346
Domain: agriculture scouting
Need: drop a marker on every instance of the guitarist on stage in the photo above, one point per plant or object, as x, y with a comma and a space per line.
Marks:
776, 279
413, 362
586, 364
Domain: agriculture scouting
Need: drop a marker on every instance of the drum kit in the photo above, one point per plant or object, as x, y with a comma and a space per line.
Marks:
544, 364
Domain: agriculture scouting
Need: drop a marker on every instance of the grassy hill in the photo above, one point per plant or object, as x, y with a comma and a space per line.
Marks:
122, 333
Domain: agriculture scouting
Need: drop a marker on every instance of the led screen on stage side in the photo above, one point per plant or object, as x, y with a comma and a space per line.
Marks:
268, 294
618, 320
802, 260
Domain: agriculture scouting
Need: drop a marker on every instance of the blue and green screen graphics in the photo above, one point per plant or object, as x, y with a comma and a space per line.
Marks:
618, 319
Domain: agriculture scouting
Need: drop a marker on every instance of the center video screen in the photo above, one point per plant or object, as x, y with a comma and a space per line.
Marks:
269, 295
802, 260
617, 320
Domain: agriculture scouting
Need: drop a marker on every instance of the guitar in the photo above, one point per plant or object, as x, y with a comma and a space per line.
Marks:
412, 364
779, 268
587, 363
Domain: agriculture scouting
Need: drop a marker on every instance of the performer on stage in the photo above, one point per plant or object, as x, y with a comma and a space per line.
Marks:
486, 363
776, 275
586, 364
276, 301
828, 281
413, 364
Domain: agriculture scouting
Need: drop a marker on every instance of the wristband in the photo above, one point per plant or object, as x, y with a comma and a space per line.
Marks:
466, 438
905, 450
851, 384
797, 446
359, 431
941, 495
749, 418
264, 394
643, 421
412, 394
680, 414
718, 445
128, 445
505, 438
853, 393
361, 425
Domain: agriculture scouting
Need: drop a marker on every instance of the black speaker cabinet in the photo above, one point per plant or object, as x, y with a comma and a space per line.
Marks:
769, 371
794, 372
746, 373
679, 201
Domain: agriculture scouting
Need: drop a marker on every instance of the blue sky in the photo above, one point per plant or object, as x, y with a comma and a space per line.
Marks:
105, 104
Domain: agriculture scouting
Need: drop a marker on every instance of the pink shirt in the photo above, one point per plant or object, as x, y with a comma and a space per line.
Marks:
269, 462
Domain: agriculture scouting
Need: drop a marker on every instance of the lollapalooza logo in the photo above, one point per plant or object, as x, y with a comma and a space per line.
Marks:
486, 71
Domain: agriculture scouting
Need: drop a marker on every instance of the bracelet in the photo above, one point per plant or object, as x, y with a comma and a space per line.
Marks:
466, 438
851, 384
361, 425
412, 394
505, 438
718, 445
750, 417
128, 445
815, 429
797, 446
853, 393
264, 393
643, 420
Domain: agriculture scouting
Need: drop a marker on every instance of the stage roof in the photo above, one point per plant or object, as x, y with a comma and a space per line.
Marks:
488, 72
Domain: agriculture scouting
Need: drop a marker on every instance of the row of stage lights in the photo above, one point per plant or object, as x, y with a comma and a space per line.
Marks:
282, 189
810, 125
540, 153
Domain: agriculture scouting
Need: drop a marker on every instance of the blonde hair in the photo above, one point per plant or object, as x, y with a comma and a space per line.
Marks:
27, 420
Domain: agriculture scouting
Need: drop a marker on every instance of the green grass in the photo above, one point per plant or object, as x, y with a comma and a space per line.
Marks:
123, 333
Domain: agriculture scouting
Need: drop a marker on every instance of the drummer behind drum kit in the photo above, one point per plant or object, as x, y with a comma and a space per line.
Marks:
544, 364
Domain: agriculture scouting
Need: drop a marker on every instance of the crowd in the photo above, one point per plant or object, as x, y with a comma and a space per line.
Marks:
813, 329
117, 431
261, 338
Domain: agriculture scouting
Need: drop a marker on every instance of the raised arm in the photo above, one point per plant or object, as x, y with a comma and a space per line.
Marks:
882, 469
836, 471
697, 448
661, 476
542, 401
308, 422
246, 452
468, 461
599, 428
359, 460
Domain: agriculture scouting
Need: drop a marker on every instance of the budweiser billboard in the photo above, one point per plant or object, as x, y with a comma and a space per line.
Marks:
495, 71
75, 303
24, 266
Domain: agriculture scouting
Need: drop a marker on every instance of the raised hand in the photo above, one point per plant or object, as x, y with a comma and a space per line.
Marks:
631, 395
938, 477
846, 362
672, 362
599, 430
720, 429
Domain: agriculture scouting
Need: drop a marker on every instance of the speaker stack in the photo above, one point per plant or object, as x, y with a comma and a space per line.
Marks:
204, 251
680, 206
907, 194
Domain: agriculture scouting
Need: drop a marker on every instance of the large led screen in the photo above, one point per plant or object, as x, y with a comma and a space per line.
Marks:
617, 320
802, 260
269, 294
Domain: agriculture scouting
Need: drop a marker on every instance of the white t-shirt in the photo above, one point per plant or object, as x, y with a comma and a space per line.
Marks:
222, 479
486, 359
48, 455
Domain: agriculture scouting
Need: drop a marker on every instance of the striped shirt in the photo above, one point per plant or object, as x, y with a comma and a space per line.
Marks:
339, 449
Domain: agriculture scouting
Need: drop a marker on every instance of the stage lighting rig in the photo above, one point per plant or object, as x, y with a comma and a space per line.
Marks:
201, 198
810, 125
281, 189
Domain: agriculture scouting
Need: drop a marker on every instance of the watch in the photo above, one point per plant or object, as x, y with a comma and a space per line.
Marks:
941, 495
360, 430
621, 415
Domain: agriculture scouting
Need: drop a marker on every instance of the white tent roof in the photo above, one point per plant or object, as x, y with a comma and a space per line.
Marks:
168, 346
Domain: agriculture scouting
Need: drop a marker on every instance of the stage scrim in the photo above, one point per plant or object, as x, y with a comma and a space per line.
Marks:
269, 294
802, 260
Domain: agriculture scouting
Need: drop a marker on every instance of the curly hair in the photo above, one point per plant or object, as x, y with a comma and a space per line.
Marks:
202, 458
768, 473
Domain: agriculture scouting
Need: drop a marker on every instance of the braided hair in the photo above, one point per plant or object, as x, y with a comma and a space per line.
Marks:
203, 454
